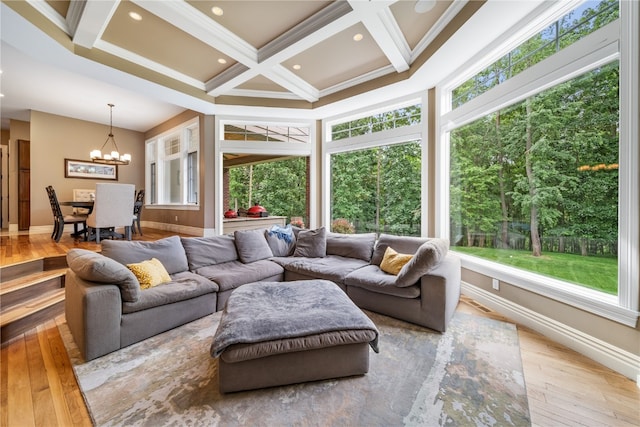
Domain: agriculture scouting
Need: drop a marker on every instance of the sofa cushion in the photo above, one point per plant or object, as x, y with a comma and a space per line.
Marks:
311, 243
392, 262
358, 246
149, 273
331, 267
230, 275
281, 240
373, 279
203, 251
401, 244
183, 286
94, 267
428, 255
168, 250
252, 245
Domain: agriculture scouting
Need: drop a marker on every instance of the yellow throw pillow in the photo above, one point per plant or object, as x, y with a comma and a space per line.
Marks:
392, 261
149, 273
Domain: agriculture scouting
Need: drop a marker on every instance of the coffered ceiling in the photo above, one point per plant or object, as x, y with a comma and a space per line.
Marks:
302, 54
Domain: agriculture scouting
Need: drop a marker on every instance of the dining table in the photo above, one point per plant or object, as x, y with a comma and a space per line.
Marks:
87, 204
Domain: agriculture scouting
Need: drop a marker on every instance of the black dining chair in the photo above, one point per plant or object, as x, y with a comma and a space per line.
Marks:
137, 211
59, 219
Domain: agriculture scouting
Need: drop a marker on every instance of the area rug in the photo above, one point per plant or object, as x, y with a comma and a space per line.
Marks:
469, 376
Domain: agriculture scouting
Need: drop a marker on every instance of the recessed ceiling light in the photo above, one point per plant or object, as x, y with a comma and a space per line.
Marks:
423, 6
217, 11
358, 37
135, 16
222, 61
297, 67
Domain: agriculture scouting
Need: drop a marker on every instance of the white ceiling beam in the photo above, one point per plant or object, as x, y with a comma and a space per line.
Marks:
93, 20
379, 21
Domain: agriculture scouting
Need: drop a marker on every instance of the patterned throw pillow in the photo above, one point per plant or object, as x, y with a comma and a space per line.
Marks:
392, 261
149, 273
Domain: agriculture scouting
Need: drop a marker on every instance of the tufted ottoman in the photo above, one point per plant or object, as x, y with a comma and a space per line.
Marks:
277, 333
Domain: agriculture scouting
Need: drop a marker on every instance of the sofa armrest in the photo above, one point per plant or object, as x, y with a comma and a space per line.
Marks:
440, 292
93, 312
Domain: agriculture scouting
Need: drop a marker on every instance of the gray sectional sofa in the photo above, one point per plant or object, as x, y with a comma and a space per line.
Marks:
106, 309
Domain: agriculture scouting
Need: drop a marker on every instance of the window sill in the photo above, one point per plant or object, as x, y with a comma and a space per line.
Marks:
175, 207
590, 300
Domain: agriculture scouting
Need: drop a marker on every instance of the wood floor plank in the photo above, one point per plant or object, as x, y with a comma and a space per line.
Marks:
61, 411
74, 401
43, 404
4, 387
19, 401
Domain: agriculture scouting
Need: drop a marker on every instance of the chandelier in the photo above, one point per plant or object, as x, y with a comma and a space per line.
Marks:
113, 158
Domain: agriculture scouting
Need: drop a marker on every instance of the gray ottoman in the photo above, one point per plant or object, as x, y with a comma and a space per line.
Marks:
277, 333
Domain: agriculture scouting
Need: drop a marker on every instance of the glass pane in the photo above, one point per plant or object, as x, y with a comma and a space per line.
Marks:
535, 186
580, 22
405, 116
377, 190
172, 145
172, 181
192, 178
279, 186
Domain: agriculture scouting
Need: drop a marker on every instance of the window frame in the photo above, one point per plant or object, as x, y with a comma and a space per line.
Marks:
615, 41
399, 135
156, 157
284, 148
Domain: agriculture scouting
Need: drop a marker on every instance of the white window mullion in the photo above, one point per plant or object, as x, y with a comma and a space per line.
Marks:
629, 232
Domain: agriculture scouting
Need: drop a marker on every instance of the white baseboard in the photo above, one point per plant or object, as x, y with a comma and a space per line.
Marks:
622, 361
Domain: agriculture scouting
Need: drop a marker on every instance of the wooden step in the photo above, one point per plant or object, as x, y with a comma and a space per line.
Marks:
22, 289
13, 271
31, 313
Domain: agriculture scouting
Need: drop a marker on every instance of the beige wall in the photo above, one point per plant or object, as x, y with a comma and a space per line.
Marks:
54, 138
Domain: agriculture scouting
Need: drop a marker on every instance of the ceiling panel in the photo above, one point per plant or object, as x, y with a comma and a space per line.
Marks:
261, 83
339, 58
163, 43
259, 22
414, 26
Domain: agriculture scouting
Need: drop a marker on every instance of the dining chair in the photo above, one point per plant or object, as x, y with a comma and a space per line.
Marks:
137, 211
59, 219
112, 208
83, 195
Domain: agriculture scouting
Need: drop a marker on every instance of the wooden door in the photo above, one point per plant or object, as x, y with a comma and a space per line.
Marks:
24, 184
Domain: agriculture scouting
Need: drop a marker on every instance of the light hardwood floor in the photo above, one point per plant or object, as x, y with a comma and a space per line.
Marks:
37, 385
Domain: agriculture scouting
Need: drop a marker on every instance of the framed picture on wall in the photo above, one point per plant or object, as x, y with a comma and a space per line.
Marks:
82, 169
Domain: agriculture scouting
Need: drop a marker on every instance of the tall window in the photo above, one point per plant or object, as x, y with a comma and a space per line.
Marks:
535, 185
172, 166
375, 172
535, 165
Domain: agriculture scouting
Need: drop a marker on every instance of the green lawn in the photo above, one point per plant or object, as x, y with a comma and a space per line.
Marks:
599, 273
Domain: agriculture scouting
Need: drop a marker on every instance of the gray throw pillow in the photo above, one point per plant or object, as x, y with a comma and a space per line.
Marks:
311, 243
427, 256
211, 250
168, 251
252, 245
94, 267
358, 246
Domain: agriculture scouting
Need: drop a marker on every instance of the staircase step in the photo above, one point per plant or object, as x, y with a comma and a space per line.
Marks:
31, 313
20, 269
21, 289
